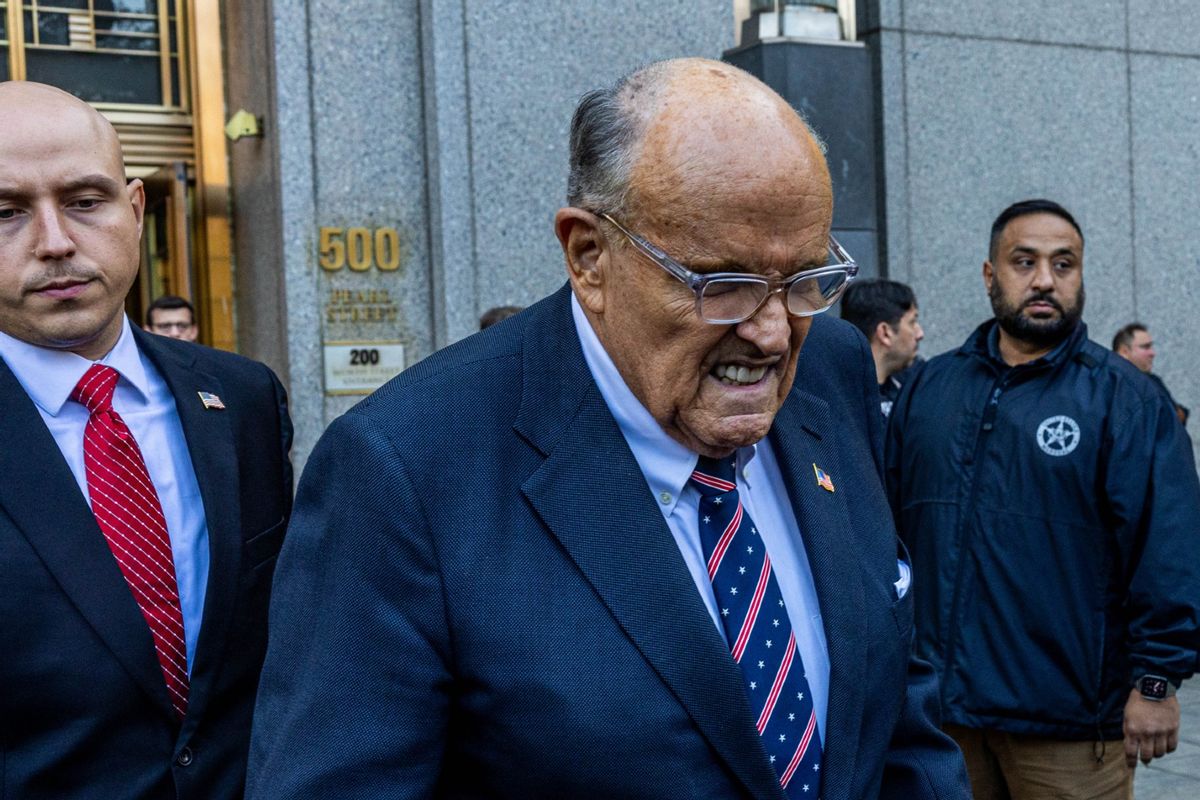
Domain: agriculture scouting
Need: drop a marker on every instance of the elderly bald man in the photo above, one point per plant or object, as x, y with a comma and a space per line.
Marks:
632, 543
145, 491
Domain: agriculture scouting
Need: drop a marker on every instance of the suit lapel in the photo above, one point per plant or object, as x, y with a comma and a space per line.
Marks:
591, 494
209, 436
40, 495
802, 436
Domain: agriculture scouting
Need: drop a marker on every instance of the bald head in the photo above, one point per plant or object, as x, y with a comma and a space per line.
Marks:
689, 116
711, 127
31, 110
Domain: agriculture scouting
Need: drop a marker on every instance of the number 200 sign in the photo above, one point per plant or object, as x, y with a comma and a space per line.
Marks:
359, 249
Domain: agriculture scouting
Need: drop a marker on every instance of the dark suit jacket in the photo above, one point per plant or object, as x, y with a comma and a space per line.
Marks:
84, 711
479, 598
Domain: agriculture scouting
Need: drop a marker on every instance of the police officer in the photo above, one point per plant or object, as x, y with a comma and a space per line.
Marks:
1050, 502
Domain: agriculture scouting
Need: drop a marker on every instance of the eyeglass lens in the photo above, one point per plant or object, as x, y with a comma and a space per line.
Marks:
735, 299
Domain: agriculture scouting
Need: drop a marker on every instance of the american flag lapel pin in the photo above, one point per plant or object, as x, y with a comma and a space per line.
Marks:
210, 400
823, 479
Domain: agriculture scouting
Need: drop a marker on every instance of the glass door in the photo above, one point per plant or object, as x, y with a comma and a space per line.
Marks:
166, 264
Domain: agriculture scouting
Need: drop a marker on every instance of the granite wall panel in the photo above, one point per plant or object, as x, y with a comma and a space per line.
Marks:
1091, 23
1165, 26
989, 123
527, 66
1166, 158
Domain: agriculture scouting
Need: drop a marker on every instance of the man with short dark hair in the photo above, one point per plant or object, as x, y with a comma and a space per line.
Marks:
145, 493
497, 314
1134, 344
172, 316
886, 312
628, 544
1051, 505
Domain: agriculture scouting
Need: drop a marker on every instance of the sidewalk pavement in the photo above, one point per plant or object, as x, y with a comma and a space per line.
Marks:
1177, 775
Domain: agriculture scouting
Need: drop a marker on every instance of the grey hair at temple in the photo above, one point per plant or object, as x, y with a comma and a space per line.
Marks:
606, 134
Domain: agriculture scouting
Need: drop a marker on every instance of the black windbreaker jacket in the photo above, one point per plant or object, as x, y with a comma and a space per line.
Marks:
1052, 511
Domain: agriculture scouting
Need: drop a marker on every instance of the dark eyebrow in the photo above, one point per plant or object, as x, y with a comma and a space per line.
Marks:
1062, 251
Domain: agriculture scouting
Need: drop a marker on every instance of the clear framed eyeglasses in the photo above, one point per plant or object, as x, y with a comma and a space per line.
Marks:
727, 298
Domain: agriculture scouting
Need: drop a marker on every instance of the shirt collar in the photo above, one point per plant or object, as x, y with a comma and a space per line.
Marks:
49, 376
993, 346
666, 464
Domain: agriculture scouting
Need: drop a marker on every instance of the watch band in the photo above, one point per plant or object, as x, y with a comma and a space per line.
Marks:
1154, 687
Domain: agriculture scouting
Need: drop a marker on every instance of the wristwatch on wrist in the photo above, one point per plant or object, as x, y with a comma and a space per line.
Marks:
1154, 687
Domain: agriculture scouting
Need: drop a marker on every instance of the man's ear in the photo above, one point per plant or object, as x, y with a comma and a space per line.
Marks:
587, 255
883, 334
989, 275
137, 200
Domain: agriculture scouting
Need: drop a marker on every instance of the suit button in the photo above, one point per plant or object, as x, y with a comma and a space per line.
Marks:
185, 757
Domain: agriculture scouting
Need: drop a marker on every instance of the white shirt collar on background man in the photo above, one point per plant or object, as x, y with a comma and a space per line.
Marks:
147, 406
667, 465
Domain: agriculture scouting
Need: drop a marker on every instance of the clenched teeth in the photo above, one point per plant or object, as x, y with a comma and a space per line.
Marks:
730, 373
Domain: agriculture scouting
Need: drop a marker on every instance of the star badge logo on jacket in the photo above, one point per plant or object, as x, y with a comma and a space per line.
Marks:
823, 479
210, 400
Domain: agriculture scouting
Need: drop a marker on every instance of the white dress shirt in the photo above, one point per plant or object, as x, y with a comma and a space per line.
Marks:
144, 401
667, 465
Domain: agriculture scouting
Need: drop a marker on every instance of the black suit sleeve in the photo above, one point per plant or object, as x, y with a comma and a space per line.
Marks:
922, 762
285, 442
354, 694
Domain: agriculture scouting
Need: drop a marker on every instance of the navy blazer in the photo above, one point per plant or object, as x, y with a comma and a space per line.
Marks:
84, 711
479, 598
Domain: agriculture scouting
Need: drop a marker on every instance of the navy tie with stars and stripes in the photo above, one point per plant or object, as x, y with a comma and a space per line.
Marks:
760, 634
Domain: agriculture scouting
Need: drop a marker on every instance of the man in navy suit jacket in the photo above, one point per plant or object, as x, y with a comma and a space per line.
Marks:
493, 585
85, 710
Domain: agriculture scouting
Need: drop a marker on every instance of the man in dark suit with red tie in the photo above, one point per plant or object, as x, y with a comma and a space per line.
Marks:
146, 488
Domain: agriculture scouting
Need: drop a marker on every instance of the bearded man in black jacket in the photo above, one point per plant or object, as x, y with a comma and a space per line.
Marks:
1051, 504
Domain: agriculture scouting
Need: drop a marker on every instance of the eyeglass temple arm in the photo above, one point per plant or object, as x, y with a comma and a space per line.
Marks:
658, 256
841, 254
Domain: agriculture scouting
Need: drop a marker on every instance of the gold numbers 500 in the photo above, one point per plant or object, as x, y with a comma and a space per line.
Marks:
359, 248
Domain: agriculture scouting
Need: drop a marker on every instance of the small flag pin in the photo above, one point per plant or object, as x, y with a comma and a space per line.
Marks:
210, 400
823, 479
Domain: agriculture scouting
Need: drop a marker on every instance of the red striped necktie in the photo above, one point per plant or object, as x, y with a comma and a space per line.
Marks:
130, 516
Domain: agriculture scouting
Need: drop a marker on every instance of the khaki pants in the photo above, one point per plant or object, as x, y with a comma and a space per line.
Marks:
1006, 766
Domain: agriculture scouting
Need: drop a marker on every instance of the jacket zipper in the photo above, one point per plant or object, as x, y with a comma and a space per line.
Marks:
986, 426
